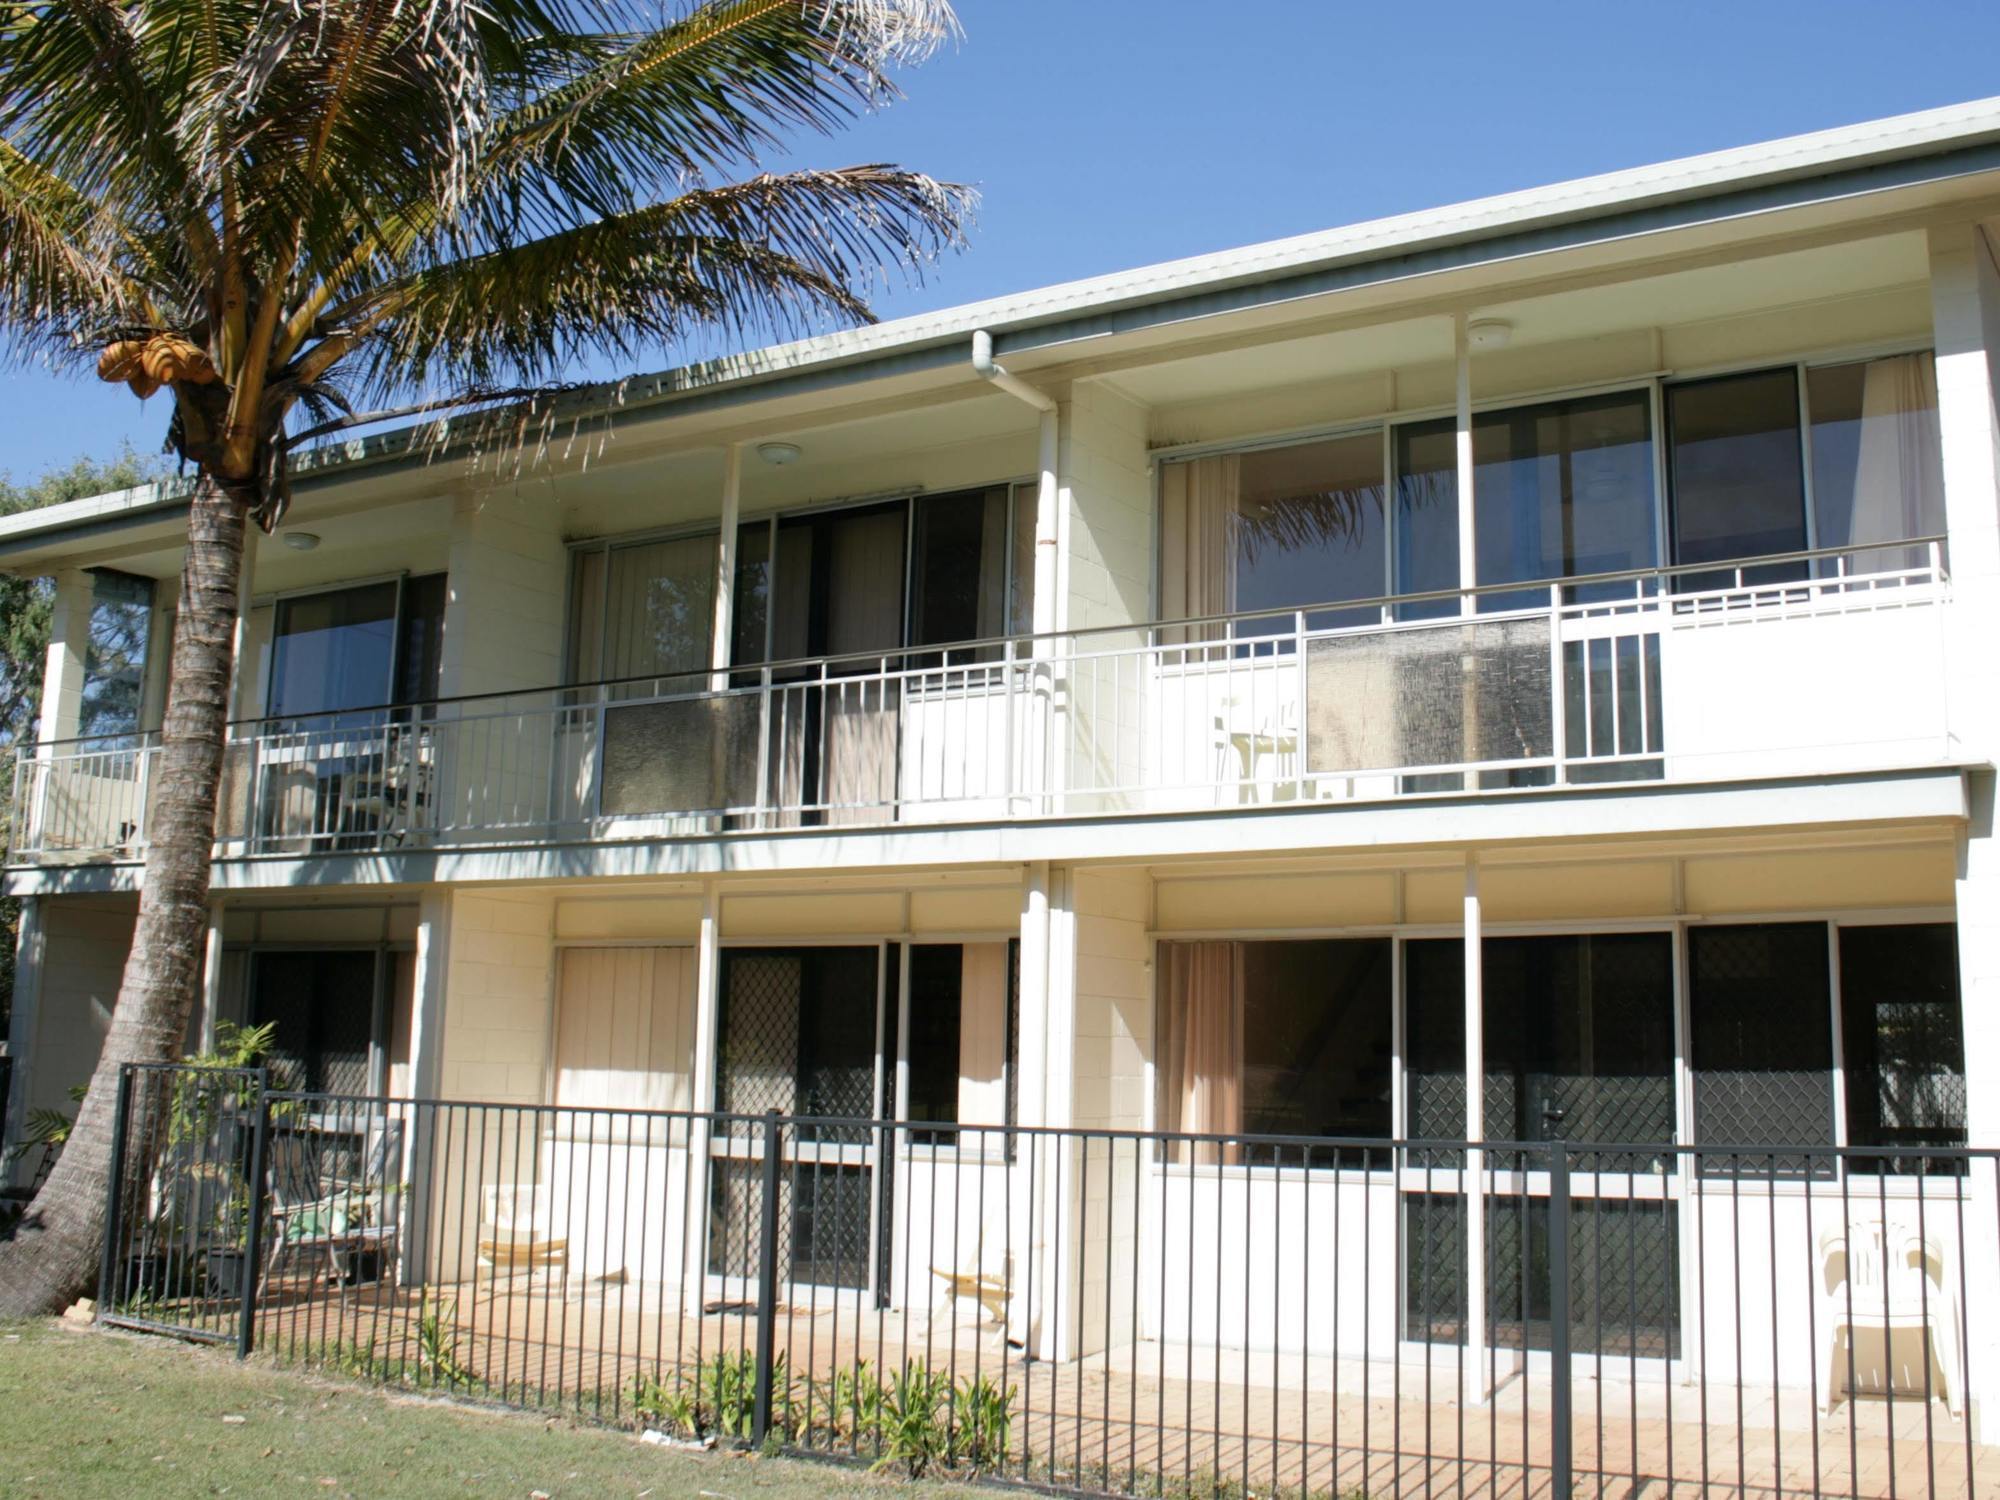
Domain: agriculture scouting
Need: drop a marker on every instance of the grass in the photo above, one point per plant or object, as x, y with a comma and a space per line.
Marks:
94, 1413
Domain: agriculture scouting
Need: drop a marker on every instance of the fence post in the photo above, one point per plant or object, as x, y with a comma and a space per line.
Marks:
114, 1192
253, 1231
767, 1284
1560, 1392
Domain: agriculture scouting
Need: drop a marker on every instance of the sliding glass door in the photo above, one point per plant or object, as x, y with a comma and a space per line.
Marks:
1579, 1046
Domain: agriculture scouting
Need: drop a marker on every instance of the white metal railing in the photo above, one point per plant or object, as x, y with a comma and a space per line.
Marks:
1801, 664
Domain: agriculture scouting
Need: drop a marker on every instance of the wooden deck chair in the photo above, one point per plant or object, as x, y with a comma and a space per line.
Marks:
517, 1234
992, 1292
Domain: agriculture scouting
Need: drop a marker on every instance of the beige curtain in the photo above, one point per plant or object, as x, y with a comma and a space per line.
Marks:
1021, 592
864, 613
1201, 1051
1898, 470
982, 1035
1199, 499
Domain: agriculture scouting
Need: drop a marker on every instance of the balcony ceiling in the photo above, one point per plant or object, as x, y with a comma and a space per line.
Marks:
1698, 295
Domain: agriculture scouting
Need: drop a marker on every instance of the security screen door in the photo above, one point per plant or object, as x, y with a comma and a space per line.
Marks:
800, 1033
330, 1024
1579, 1046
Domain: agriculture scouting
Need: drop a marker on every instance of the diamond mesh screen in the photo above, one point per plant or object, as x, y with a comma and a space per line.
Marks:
323, 1007
1624, 1280
1434, 695
1903, 1042
797, 1035
1760, 1014
1578, 1039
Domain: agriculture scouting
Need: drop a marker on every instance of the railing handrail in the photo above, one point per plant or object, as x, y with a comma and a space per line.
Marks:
1020, 648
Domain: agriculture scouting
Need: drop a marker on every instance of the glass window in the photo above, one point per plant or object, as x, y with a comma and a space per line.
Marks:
958, 572
1021, 569
1737, 472
114, 665
1578, 1040
1562, 489
643, 610
334, 651
1276, 1038
963, 1034
1274, 528
1877, 463
1761, 1025
1903, 1038
750, 605
1426, 522
420, 649
1318, 1039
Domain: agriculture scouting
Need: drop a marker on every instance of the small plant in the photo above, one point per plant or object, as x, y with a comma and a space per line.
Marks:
983, 1423
437, 1345
916, 1430
670, 1408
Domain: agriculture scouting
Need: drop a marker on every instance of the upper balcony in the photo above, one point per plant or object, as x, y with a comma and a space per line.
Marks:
1789, 665
1458, 507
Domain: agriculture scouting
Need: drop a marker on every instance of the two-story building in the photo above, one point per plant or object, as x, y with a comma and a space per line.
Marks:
1548, 641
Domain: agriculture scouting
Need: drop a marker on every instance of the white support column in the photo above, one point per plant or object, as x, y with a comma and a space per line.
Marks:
707, 1021
427, 1015
1039, 761
1474, 1381
210, 999
725, 565
23, 1022
69, 648
1965, 313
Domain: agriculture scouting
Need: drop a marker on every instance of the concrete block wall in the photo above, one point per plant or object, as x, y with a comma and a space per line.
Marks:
1105, 489
83, 948
1114, 1032
506, 583
498, 997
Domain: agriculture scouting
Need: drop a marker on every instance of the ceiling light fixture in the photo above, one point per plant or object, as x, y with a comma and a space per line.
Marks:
1488, 333
301, 541
777, 455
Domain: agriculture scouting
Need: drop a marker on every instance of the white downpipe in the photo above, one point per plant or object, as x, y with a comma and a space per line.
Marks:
983, 365
1468, 535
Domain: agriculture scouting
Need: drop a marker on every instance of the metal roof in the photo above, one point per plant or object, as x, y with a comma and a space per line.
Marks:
1874, 156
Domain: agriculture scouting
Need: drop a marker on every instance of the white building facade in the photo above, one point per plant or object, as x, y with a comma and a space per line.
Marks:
1548, 642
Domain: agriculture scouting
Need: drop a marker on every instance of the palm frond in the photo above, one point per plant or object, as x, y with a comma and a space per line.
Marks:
777, 253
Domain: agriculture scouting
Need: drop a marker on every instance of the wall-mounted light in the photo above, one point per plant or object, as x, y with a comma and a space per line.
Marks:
1488, 333
777, 455
301, 541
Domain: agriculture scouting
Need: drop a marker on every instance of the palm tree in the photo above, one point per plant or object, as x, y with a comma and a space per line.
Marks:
301, 215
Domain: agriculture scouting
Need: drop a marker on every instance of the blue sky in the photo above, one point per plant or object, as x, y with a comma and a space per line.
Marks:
1110, 133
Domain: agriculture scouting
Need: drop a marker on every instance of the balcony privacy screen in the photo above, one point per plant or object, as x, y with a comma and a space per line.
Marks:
681, 755
1434, 695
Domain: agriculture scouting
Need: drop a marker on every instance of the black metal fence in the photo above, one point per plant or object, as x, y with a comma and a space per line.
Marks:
1099, 1311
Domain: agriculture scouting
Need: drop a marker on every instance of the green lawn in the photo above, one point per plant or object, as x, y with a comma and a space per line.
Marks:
106, 1414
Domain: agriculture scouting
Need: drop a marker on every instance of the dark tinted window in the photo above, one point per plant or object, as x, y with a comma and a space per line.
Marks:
1761, 1023
1738, 475
1903, 1037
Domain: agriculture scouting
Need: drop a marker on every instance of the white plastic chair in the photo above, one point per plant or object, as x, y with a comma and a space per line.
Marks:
1884, 1280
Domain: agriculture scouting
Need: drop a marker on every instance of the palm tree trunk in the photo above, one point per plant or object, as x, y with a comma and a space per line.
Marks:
54, 1254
